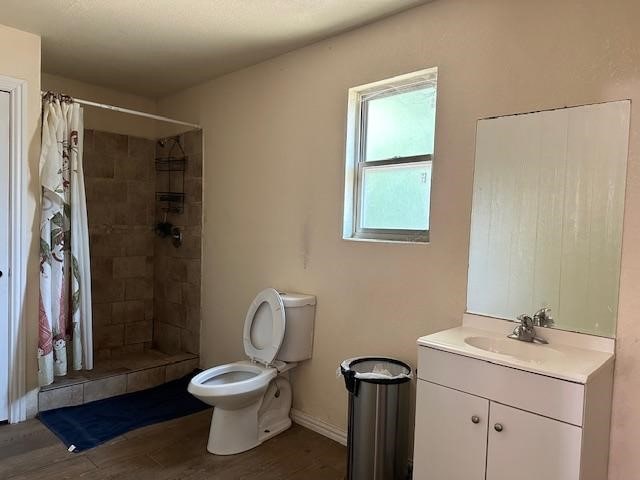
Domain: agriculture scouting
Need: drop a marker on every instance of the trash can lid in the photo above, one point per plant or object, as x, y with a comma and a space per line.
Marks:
382, 370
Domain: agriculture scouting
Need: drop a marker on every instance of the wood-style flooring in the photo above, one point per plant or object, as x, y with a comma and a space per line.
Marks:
167, 451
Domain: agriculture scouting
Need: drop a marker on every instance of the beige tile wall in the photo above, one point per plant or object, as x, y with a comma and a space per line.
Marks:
177, 270
120, 186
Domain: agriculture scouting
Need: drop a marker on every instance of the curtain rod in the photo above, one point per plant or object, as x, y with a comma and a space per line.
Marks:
132, 112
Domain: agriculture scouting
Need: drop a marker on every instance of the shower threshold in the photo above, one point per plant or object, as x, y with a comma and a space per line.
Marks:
127, 373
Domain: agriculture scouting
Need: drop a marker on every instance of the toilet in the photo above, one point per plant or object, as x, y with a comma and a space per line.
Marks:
252, 398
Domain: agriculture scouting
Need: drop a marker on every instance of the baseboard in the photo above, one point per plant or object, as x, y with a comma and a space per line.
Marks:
326, 429
319, 426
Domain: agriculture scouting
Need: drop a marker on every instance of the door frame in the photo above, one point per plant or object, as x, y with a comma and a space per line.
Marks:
18, 248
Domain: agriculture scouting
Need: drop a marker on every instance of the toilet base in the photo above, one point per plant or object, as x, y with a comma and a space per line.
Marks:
236, 431
275, 430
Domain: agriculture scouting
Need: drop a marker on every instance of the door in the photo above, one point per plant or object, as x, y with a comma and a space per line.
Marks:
526, 446
4, 255
450, 435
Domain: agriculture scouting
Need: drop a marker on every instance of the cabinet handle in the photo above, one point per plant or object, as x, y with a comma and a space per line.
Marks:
475, 419
498, 427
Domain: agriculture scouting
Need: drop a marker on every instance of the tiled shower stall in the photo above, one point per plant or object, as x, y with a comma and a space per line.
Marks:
177, 270
145, 290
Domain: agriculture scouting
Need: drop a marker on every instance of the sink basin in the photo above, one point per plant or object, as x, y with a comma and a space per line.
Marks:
571, 357
523, 351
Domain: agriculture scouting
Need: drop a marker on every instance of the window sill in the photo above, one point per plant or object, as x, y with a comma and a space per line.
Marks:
382, 240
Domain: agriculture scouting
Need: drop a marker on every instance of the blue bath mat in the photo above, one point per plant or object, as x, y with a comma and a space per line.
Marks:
86, 426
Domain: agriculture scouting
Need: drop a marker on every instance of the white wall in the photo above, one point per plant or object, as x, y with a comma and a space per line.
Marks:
274, 154
20, 58
107, 120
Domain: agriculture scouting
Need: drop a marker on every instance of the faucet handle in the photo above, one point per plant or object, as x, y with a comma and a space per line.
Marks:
525, 320
543, 317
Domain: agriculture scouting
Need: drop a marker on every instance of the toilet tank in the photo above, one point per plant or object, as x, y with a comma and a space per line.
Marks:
300, 314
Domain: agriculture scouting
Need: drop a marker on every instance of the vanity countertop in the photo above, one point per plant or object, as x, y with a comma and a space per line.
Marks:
573, 360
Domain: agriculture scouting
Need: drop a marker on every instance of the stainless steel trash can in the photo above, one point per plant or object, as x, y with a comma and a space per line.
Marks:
378, 431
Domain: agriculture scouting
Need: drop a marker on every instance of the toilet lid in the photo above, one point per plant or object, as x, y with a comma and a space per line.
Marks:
264, 327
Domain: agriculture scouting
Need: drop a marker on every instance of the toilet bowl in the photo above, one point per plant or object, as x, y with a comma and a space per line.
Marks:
236, 391
252, 398
232, 386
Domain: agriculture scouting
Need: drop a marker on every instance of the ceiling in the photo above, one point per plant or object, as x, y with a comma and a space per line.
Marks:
156, 47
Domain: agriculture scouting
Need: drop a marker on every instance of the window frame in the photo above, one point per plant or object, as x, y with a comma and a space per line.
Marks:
357, 116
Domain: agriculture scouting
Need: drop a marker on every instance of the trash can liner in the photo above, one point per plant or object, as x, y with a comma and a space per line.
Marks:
379, 370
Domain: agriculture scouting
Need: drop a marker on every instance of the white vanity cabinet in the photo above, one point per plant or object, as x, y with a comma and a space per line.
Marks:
450, 435
550, 448
478, 420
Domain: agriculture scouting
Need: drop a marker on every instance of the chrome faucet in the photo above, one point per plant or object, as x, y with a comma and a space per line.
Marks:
525, 332
543, 318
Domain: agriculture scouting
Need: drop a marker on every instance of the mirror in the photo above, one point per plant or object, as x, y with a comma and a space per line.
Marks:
546, 224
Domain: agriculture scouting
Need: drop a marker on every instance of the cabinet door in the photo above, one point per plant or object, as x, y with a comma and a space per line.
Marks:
531, 447
451, 434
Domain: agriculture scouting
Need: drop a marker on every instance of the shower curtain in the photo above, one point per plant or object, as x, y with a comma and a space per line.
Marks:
65, 333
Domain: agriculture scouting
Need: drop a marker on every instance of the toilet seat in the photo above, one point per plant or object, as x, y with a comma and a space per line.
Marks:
212, 381
263, 334
264, 327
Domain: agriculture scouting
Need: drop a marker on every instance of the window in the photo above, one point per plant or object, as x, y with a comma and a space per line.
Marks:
390, 137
